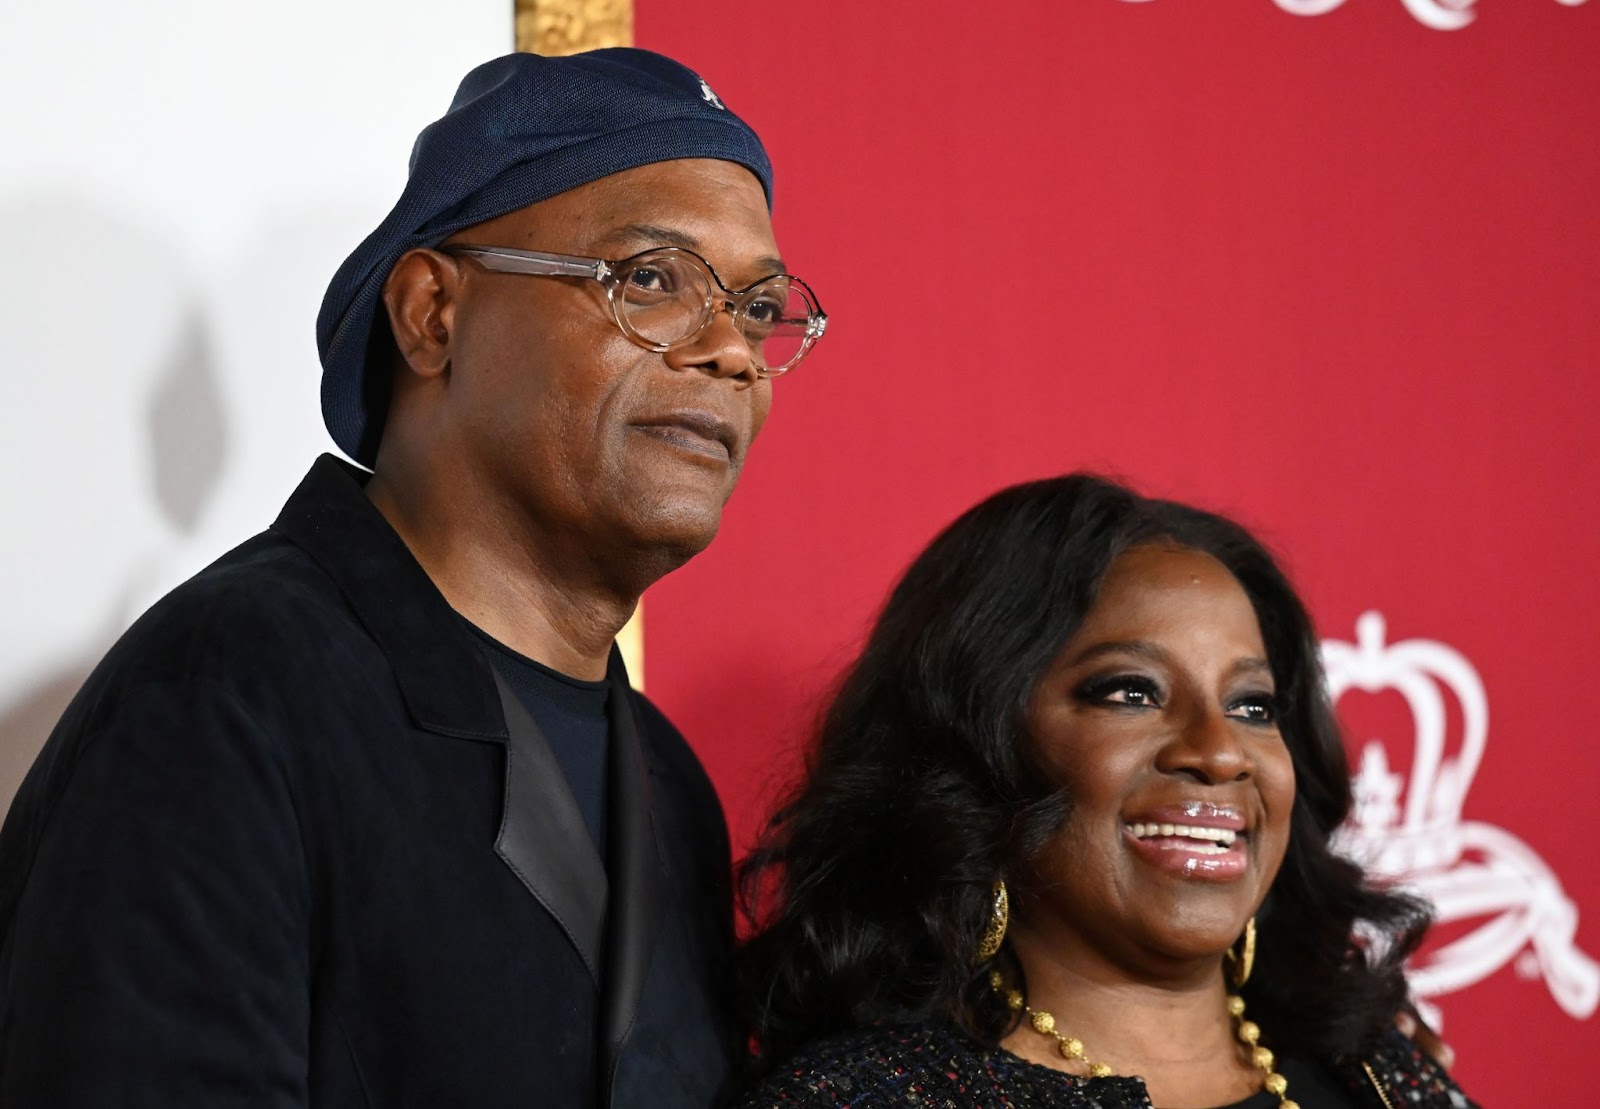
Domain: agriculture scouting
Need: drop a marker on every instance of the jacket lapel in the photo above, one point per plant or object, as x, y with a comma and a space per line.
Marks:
442, 677
638, 876
452, 691
543, 838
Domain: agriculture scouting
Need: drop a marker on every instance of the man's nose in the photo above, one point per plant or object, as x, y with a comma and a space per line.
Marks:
721, 350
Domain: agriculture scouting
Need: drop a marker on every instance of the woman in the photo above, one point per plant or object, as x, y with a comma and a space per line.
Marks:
1064, 840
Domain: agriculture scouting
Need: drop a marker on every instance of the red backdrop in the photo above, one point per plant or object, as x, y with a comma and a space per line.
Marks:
1335, 275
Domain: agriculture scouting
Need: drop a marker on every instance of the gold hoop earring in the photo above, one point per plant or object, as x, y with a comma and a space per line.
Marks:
999, 916
1243, 955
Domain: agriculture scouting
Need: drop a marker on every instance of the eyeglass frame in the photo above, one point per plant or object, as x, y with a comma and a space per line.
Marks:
541, 263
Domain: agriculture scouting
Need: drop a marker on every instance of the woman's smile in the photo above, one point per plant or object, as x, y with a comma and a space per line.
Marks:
1211, 854
1194, 839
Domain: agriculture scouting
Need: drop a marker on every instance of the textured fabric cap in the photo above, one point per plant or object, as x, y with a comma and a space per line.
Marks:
521, 129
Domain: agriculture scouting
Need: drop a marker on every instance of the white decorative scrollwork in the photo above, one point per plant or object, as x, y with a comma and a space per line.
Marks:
1412, 830
1309, 7
1441, 15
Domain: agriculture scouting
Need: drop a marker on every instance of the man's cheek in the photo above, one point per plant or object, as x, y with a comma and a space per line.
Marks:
760, 409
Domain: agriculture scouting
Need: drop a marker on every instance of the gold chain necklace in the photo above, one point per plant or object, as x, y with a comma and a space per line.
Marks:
1071, 1048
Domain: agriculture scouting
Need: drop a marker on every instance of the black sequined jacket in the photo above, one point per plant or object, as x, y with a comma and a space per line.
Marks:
934, 1066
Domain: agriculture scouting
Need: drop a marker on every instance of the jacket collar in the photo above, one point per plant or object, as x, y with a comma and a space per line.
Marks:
446, 684
449, 688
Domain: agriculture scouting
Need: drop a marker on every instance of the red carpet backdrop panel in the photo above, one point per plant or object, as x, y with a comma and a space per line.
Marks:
1333, 268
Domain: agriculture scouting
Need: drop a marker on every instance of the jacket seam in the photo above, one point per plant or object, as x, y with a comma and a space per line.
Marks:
355, 1061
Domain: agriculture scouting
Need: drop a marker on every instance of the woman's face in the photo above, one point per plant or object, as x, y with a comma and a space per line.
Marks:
1157, 720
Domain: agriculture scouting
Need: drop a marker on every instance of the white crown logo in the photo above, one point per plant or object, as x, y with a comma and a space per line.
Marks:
1426, 833
1412, 830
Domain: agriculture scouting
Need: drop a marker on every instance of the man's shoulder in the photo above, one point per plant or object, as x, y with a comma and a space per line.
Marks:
682, 790
670, 754
660, 734
208, 684
262, 637
262, 605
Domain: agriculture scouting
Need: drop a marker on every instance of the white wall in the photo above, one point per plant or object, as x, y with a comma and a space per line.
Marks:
178, 181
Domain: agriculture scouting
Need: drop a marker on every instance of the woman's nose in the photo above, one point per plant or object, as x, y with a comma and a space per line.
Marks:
1207, 747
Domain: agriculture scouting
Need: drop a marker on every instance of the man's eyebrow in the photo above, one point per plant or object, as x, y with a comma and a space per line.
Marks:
656, 235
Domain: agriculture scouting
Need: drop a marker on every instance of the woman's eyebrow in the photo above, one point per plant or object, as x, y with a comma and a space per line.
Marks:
1251, 665
1136, 647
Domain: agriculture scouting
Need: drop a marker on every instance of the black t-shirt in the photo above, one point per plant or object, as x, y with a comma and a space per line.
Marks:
572, 715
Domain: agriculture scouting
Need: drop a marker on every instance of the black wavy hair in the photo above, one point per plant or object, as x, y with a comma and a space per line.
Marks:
868, 891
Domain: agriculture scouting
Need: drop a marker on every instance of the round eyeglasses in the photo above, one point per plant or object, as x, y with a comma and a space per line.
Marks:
667, 297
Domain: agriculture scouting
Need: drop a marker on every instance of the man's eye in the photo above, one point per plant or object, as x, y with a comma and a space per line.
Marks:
653, 280
766, 313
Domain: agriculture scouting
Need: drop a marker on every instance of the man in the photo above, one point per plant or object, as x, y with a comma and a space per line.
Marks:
365, 813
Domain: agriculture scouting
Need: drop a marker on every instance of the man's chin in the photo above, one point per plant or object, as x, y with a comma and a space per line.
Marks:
676, 528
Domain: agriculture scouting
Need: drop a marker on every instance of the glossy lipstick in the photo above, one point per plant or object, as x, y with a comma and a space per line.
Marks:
1196, 839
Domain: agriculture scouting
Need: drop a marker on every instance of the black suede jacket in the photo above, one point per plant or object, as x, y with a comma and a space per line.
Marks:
292, 846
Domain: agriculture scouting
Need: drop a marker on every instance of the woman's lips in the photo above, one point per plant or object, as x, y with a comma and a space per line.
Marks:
1202, 814
1205, 842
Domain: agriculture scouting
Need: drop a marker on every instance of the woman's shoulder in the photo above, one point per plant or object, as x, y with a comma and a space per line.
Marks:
932, 1065
929, 1063
1402, 1069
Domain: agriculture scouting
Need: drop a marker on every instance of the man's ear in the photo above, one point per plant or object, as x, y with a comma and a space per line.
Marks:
420, 296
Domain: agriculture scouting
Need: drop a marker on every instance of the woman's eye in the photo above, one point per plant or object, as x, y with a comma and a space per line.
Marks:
1258, 708
1123, 690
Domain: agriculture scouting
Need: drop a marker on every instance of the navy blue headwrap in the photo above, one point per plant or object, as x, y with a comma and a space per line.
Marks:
521, 129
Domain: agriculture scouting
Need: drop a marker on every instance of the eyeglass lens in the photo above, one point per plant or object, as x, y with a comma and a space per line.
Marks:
667, 297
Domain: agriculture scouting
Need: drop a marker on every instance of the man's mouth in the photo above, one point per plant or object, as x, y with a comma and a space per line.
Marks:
695, 430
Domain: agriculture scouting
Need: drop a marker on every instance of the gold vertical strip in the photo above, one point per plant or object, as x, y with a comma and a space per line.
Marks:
630, 641
567, 27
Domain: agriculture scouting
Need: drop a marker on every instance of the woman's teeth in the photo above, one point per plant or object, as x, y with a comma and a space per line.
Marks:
1209, 841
